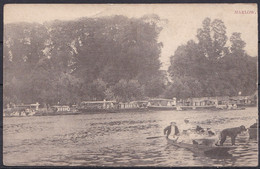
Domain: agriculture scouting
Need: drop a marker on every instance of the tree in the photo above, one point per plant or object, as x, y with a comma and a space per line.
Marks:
237, 44
128, 90
156, 85
69, 61
208, 68
97, 89
212, 38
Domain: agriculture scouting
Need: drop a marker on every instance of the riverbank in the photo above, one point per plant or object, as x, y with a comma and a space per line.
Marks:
116, 111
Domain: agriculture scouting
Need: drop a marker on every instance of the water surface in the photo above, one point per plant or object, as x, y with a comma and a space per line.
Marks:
119, 139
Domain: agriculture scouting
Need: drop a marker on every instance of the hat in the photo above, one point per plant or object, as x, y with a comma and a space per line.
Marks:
173, 123
186, 120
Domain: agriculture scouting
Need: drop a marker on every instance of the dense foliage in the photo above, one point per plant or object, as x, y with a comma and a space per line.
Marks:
87, 59
117, 58
211, 67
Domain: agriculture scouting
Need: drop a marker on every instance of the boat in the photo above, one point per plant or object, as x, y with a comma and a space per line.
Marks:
202, 149
161, 108
96, 106
209, 107
161, 104
252, 133
19, 111
92, 107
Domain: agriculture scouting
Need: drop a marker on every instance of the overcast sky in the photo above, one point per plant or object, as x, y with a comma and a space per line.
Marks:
183, 19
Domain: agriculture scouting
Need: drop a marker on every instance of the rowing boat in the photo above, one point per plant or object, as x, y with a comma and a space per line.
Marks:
252, 133
197, 148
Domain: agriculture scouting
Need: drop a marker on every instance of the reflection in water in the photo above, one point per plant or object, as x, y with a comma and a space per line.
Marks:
119, 139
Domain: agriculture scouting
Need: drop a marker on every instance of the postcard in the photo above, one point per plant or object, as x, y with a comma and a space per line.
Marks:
129, 85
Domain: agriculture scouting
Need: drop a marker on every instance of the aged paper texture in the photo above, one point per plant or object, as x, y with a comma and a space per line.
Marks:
164, 85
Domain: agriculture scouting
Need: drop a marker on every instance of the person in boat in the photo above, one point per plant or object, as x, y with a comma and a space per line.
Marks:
187, 127
200, 130
171, 131
210, 132
194, 135
186, 134
203, 136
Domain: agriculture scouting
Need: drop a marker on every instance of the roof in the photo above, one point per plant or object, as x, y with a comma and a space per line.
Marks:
60, 106
161, 100
27, 105
35, 104
98, 102
238, 97
24, 105
141, 101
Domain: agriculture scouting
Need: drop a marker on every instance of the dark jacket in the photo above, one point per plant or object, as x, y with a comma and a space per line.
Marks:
168, 130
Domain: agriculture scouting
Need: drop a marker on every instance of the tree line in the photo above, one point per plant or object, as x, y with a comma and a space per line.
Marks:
211, 66
117, 58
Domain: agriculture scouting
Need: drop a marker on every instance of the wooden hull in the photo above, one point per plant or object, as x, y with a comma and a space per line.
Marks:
161, 108
56, 113
252, 133
203, 149
197, 107
94, 111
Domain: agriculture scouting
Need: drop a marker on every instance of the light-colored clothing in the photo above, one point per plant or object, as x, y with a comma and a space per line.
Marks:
186, 128
186, 133
203, 139
172, 134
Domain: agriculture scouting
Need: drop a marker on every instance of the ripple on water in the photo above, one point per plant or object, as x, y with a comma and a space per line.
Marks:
120, 139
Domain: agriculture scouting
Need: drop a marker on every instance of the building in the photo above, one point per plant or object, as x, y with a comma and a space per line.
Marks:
97, 106
204, 101
63, 108
34, 106
162, 104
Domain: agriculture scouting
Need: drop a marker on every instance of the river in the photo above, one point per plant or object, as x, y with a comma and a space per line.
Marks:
119, 139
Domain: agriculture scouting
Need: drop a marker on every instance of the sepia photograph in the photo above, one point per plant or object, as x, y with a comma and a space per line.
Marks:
130, 85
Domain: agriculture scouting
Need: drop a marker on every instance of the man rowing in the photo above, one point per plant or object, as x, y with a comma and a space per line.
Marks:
172, 131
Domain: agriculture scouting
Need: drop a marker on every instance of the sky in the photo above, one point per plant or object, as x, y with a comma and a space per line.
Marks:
183, 19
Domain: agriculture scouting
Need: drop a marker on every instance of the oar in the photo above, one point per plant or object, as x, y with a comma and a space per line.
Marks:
154, 137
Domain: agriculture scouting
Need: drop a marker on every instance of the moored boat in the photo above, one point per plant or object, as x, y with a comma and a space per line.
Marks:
92, 107
96, 106
252, 133
162, 104
161, 108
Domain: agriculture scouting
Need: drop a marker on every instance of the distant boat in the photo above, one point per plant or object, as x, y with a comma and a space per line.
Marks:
252, 133
62, 109
97, 106
92, 107
252, 130
19, 111
161, 104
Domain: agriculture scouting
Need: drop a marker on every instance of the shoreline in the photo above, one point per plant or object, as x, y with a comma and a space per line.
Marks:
145, 110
